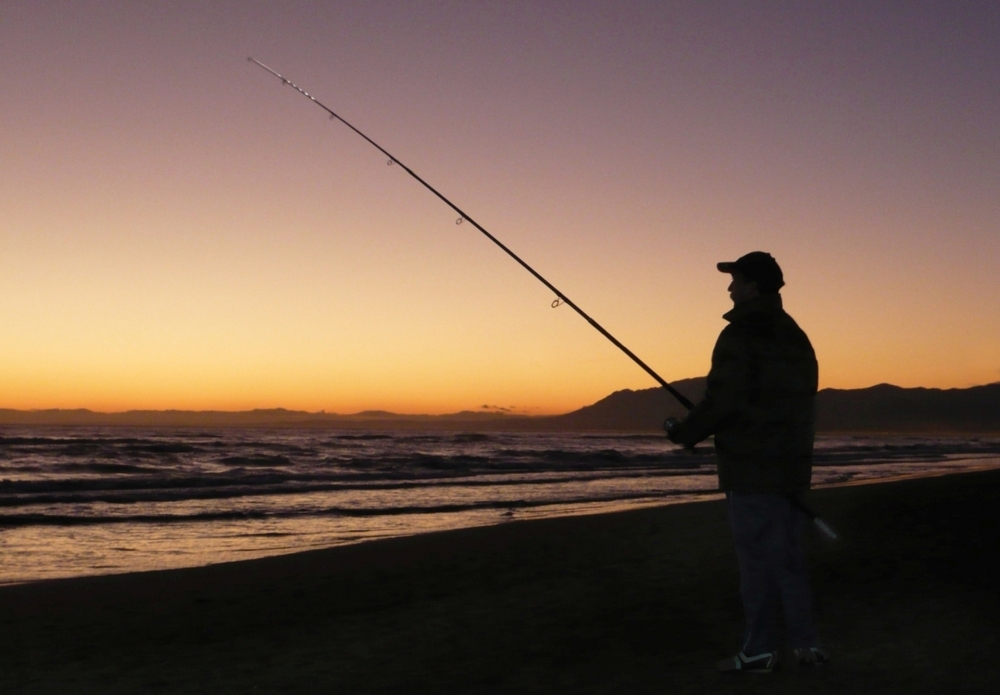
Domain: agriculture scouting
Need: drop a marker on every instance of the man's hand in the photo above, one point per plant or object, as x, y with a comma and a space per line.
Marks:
669, 426
675, 433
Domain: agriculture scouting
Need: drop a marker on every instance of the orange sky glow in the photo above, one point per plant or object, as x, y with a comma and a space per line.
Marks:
179, 230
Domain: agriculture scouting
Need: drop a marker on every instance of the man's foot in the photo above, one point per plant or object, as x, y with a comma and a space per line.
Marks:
811, 657
741, 663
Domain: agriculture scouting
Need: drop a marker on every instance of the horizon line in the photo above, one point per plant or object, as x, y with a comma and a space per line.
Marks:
380, 413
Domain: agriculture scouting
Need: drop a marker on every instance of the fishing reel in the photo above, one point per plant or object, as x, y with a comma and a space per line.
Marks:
669, 425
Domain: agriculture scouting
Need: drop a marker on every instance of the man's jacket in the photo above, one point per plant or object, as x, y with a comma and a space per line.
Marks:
759, 401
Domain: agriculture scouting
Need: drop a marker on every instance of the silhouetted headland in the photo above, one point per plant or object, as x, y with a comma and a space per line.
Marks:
883, 408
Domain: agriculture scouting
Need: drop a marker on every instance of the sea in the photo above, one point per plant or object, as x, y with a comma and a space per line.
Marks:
90, 500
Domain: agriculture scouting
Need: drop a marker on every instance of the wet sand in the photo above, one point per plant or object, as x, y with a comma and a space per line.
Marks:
635, 602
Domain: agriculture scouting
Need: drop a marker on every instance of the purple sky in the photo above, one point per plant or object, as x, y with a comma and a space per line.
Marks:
179, 230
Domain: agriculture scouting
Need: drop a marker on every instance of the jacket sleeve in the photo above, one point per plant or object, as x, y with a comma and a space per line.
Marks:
727, 392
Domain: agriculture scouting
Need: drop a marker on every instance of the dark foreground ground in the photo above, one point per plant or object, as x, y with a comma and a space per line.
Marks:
639, 602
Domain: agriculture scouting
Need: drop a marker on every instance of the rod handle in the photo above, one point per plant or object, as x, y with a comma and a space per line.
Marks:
825, 529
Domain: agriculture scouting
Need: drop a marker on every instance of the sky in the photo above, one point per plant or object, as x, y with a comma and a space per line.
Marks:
178, 230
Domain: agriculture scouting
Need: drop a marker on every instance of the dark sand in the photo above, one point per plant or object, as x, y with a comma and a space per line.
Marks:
636, 602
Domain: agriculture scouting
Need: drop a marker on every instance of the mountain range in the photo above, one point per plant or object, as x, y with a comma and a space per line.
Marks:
883, 408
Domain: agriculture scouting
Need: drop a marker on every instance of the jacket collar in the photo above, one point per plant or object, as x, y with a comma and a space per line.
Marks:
764, 304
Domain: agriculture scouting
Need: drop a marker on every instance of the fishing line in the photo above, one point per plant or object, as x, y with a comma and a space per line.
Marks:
464, 217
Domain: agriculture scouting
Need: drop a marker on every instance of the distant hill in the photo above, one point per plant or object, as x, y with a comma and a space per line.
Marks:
881, 408
887, 408
273, 417
643, 410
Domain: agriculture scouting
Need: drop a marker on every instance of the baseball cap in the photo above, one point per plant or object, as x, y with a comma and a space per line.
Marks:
758, 267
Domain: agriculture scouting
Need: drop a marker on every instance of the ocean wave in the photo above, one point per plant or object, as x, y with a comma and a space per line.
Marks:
77, 471
160, 448
43, 519
467, 437
32, 493
113, 467
259, 460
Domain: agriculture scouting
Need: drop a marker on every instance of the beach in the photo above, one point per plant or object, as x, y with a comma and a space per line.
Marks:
637, 601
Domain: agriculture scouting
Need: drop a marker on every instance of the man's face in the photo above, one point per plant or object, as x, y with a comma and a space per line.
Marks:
741, 289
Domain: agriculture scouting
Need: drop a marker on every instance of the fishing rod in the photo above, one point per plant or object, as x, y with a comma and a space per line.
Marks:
560, 297
463, 216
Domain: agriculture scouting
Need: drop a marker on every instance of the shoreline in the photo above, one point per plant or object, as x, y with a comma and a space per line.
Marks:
637, 601
529, 515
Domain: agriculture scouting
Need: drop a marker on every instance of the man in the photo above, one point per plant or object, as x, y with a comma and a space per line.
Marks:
760, 404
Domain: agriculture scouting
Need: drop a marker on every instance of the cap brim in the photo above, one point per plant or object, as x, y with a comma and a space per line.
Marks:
726, 267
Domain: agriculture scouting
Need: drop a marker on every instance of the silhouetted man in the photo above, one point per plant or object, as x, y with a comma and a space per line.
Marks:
759, 404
